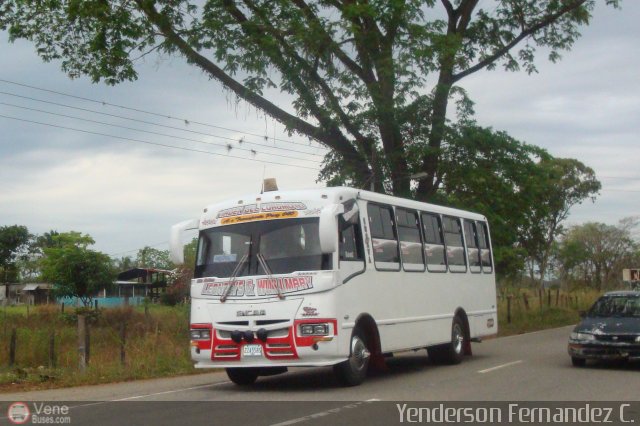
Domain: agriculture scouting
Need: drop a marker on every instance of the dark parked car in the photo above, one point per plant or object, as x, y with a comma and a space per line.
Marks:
610, 330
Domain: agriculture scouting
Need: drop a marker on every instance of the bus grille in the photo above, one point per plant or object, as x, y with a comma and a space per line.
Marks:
279, 346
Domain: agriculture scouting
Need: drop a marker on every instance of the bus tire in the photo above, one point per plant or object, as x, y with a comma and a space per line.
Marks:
353, 371
452, 352
243, 376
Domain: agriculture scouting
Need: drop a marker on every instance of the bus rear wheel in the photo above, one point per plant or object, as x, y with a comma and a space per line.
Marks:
452, 352
353, 371
243, 376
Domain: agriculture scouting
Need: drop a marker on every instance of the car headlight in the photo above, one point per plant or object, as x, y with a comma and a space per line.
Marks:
582, 336
638, 339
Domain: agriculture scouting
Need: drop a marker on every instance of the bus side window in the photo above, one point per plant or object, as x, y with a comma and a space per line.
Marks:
383, 237
434, 243
350, 241
485, 248
471, 237
410, 241
455, 245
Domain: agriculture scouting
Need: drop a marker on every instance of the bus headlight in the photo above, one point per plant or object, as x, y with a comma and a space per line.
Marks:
200, 334
314, 329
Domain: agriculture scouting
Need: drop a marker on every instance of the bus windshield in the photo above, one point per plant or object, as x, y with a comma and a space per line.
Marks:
286, 246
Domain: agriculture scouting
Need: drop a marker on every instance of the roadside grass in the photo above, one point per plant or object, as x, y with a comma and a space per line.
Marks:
564, 310
156, 345
157, 342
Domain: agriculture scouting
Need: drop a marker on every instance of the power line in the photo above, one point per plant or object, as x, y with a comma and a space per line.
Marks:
184, 120
138, 249
156, 133
154, 143
157, 124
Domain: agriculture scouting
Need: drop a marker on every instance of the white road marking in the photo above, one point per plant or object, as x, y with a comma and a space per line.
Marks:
499, 366
324, 413
170, 391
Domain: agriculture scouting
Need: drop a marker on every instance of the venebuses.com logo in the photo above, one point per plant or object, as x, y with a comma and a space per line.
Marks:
18, 413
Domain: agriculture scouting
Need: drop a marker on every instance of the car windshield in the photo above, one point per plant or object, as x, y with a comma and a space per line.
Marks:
616, 305
285, 245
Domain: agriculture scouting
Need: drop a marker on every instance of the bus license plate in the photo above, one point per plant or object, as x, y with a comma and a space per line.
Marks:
252, 350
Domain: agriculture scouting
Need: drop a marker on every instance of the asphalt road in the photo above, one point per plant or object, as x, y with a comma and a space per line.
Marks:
531, 367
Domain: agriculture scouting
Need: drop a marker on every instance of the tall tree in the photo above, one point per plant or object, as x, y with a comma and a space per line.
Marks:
595, 253
74, 269
562, 183
488, 172
14, 241
360, 73
149, 257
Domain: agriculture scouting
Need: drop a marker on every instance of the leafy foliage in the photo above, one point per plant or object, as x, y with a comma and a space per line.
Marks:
369, 79
594, 254
75, 270
13, 242
149, 257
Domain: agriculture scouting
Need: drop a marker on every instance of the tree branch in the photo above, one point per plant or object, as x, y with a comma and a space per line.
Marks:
315, 77
216, 72
548, 20
335, 48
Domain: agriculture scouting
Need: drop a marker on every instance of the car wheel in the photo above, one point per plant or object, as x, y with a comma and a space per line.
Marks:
243, 376
353, 371
578, 362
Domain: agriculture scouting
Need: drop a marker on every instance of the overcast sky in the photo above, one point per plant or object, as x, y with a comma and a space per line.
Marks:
126, 193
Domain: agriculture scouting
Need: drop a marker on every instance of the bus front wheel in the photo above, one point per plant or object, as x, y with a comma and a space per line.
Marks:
353, 371
243, 376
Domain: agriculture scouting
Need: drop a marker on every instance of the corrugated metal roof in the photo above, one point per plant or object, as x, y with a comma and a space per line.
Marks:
30, 287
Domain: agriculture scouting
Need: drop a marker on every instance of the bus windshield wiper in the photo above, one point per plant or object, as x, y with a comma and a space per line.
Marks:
234, 275
265, 266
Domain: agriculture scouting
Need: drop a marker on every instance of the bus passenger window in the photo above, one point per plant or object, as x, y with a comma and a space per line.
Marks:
485, 250
433, 243
383, 237
473, 252
410, 241
455, 245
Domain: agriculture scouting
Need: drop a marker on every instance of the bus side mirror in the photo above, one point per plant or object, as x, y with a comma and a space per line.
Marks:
329, 227
176, 246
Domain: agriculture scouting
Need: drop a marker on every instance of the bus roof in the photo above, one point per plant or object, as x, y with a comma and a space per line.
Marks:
332, 195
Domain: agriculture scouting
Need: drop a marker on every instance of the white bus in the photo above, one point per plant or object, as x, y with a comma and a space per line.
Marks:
335, 276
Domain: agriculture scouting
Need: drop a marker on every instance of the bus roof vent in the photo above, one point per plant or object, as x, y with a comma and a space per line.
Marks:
269, 185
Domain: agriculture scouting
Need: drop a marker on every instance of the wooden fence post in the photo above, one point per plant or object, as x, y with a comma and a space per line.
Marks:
52, 350
557, 296
525, 299
509, 309
12, 347
62, 308
82, 341
549, 297
87, 343
123, 340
